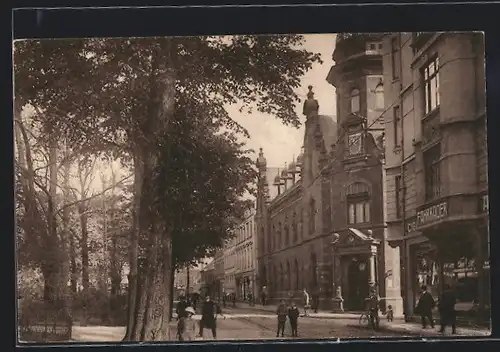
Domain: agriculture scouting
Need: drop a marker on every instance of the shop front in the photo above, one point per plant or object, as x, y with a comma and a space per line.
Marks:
454, 253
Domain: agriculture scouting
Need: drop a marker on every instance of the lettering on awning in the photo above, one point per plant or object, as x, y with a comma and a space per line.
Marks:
432, 214
411, 226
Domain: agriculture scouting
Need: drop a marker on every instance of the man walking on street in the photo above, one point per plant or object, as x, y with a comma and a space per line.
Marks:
306, 302
209, 312
373, 307
293, 316
281, 312
447, 311
424, 307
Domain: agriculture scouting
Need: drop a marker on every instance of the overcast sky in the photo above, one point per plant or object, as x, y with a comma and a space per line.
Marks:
282, 143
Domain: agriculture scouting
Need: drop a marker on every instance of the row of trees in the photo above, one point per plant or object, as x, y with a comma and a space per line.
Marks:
159, 106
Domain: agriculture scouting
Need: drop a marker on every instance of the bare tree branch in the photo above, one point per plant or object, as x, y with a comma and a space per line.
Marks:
95, 195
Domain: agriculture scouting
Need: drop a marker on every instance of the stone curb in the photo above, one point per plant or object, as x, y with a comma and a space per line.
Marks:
422, 333
408, 332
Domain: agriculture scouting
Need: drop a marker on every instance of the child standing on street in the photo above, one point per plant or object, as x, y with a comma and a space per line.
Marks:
281, 312
293, 315
389, 313
186, 326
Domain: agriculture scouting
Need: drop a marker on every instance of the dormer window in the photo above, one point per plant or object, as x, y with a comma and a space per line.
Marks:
355, 100
379, 96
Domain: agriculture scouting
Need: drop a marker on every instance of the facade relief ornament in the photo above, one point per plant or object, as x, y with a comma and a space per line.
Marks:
430, 130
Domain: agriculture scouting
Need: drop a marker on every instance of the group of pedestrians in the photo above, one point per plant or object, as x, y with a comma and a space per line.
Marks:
292, 313
186, 326
446, 309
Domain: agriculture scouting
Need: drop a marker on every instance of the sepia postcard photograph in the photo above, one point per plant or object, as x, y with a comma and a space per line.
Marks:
251, 187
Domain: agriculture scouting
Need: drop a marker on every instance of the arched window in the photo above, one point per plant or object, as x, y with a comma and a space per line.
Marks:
296, 268
261, 240
379, 96
355, 100
278, 236
314, 267
294, 228
288, 276
281, 277
273, 236
312, 216
287, 235
358, 203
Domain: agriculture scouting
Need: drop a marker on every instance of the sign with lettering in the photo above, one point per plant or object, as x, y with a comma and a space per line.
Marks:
411, 226
432, 214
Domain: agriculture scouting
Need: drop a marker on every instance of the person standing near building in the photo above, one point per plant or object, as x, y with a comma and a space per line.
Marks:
373, 307
424, 307
180, 310
293, 316
263, 295
209, 312
186, 326
446, 306
282, 313
307, 303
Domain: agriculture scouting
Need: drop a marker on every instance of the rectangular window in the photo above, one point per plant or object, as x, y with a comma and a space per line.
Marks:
359, 212
431, 85
432, 172
397, 126
395, 58
355, 143
399, 194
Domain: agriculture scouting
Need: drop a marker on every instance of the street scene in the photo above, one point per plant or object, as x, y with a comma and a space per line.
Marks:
251, 187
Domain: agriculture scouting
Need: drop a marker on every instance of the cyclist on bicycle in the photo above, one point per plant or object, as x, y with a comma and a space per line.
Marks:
373, 306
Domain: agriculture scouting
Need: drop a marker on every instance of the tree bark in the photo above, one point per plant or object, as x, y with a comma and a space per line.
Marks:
154, 243
134, 251
84, 240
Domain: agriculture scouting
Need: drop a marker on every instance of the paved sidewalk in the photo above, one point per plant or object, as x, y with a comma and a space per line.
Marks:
310, 313
414, 329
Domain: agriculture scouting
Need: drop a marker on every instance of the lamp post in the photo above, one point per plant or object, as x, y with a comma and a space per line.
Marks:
338, 301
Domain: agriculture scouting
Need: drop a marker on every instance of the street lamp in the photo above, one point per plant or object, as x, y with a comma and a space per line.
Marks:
338, 301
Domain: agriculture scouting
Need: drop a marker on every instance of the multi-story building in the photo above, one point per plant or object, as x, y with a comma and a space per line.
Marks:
229, 283
323, 227
219, 273
436, 162
207, 280
187, 280
245, 250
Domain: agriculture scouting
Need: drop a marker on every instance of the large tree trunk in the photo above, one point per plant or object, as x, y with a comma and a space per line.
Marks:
84, 245
134, 250
150, 316
172, 283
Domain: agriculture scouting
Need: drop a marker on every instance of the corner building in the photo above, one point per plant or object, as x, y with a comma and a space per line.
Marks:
436, 163
321, 219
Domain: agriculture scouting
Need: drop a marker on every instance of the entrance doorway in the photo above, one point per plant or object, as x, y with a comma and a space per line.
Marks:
358, 275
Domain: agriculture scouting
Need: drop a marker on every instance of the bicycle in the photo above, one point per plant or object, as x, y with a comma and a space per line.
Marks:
364, 319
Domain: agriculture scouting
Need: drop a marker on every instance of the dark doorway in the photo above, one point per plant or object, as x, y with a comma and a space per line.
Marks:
357, 276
